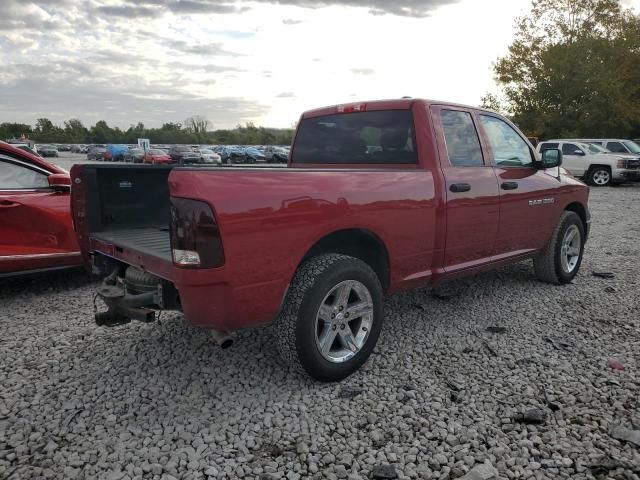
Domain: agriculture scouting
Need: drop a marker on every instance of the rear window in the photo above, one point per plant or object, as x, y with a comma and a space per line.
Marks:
378, 137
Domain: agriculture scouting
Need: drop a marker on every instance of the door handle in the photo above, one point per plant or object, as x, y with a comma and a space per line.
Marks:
509, 185
8, 204
460, 187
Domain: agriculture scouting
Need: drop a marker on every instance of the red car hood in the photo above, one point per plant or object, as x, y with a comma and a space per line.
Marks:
29, 157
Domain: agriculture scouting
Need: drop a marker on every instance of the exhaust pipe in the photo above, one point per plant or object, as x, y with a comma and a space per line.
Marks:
222, 338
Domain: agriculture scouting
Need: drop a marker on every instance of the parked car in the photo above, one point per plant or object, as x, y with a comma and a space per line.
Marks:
209, 156
47, 151
253, 155
133, 155
115, 153
596, 167
64, 148
35, 216
615, 145
453, 191
96, 153
182, 154
78, 149
276, 155
156, 156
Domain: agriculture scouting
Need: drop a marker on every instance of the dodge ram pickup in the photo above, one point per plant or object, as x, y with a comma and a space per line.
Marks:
377, 197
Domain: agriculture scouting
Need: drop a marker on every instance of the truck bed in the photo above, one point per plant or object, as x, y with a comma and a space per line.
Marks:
152, 241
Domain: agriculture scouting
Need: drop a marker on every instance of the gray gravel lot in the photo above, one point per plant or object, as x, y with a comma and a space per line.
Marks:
440, 396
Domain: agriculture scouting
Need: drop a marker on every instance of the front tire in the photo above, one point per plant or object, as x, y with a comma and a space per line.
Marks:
561, 259
599, 177
331, 318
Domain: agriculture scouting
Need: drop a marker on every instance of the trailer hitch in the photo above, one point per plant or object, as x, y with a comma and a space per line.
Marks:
123, 307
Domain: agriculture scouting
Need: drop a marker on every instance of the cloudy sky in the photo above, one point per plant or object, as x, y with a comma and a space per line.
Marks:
233, 61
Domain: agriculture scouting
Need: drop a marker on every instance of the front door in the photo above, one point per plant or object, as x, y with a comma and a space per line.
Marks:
35, 221
472, 197
527, 195
574, 159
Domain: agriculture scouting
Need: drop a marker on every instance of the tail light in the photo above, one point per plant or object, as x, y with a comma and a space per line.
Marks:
195, 237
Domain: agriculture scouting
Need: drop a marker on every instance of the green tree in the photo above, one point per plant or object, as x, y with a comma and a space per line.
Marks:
10, 130
573, 69
75, 131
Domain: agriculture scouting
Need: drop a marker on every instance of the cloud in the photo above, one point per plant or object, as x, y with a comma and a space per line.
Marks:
131, 11
363, 71
210, 49
406, 8
52, 95
291, 21
286, 95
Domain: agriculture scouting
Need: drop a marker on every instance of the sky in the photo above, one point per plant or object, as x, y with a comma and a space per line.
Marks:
234, 61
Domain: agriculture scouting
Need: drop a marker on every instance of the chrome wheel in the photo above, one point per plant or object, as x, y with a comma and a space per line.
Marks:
344, 321
601, 177
570, 250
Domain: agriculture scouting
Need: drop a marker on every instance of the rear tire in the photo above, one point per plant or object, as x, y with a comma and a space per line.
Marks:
599, 177
560, 261
331, 318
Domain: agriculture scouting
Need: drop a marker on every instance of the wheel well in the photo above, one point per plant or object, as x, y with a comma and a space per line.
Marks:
593, 167
358, 243
580, 210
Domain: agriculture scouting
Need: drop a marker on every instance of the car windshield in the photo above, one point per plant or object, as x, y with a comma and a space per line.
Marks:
183, 149
632, 146
596, 148
156, 152
136, 150
206, 151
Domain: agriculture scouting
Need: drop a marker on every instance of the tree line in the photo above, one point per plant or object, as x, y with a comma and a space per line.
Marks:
572, 70
195, 130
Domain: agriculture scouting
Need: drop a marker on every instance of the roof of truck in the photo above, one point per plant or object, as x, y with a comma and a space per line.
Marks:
404, 103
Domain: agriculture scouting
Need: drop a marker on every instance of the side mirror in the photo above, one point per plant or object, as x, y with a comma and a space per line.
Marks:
60, 182
551, 158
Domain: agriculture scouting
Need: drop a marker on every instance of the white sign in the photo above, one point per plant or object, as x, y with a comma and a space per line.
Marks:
144, 143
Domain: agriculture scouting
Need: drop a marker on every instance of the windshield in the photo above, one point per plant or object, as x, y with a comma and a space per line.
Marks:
632, 146
596, 148
156, 152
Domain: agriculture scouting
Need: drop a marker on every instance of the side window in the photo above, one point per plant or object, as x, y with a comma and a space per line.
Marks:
548, 145
509, 149
571, 149
461, 137
616, 147
17, 177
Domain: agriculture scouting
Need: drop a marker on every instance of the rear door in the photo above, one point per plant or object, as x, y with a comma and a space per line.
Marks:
472, 195
527, 194
574, 159
35, 221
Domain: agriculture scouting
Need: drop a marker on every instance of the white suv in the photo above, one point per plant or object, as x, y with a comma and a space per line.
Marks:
614, 145
594, 163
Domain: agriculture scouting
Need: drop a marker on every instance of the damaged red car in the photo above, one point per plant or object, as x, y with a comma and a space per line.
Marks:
36, 230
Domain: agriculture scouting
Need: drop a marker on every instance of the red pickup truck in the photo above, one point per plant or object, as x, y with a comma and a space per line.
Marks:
378, 197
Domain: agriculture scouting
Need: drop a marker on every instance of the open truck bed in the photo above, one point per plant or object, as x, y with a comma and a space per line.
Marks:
127, 210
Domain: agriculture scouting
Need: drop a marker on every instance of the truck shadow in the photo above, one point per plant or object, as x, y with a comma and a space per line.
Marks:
61, 281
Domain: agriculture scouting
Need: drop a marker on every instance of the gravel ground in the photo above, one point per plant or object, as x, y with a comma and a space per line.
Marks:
441, 395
